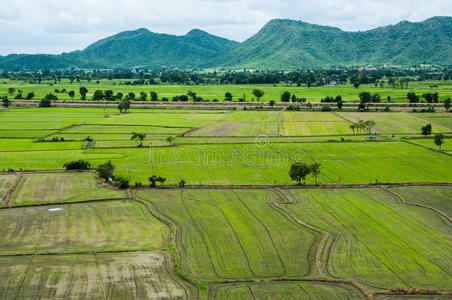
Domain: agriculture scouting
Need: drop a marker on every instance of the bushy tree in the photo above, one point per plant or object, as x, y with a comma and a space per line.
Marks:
447, 104
227, 96
154, 96
298, 171
105, 170
426, 130
439, 140
98, 95
285, 97
258, 93
315, 170
83, 91
154, 179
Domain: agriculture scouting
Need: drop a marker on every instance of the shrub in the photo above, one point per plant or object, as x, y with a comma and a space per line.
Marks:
327, 108
77, 165
121, 182
44, 103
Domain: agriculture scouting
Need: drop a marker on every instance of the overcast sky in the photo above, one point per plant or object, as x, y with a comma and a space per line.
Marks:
55, 26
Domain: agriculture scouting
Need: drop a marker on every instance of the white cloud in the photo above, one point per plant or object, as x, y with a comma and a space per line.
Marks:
54, 26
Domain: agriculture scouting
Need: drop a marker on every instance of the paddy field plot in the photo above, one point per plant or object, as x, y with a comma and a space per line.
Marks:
389, 123
376, 240
438, 197
430, 143
29, 145
286, 290
61, 187
99, 226
255, 164
235, 233
92, 276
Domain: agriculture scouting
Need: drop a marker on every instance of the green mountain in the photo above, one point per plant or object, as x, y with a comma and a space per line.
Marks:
287, 44
129, 49
280, 44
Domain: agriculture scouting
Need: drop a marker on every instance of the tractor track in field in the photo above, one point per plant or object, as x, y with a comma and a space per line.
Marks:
11, 189
266, 230
238, 241
401, 199
201, 234
22, 281
101, 277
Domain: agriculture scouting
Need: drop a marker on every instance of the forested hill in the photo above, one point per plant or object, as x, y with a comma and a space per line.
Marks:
279, 45
131, 49
287, 44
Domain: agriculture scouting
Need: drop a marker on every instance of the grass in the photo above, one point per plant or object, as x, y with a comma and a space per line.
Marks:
286, 290
99, 226
376, 240
113, 276
235, 234
66, 187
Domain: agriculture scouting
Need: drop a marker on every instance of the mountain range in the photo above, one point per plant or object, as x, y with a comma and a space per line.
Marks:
280, 45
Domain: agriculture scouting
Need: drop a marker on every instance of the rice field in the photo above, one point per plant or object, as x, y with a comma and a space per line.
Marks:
92, 276
235, 234
61, 187
66, 235
96, 226
286, 290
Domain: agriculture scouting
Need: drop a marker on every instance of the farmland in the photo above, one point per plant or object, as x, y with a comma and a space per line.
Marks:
376, 218
211, 92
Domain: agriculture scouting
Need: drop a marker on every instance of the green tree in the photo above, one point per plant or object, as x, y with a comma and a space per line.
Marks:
182, 183
154, 179
71, 94
83, 91
143, 96
365, 97
11, 90
6, 102
298, 171
139, 137
192, 95
447, 104
105, 170
227, 96
439, 140
339, 102
154, 96
353, 126
285, 97
315, 170
170, 140
124, 105
412, 97
98, 95
108, 95
30, 95
258, 94
426, 130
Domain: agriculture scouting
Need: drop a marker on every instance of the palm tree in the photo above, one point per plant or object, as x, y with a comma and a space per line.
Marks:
138, 137
369, 124
361, 125
353, 127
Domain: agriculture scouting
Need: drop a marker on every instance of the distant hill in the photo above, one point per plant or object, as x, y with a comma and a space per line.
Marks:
280, 44
129, 49
287, 44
